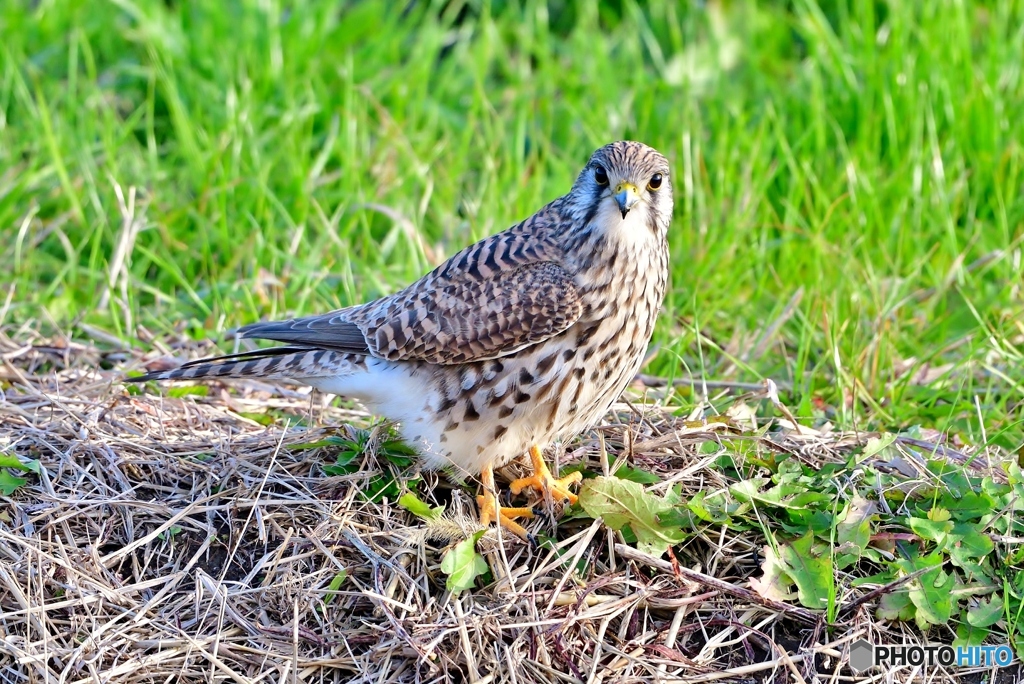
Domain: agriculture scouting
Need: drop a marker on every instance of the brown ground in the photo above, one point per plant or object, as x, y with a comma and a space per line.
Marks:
177, 539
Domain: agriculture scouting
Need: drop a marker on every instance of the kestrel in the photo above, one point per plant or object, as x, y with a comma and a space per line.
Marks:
522, 339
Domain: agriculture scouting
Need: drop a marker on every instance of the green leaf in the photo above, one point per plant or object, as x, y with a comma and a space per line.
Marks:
335, 584
810, 569
11, 461
932, 592
344, 463
264, 419
895, 606
333, 440
398, 453
636, 475
418, 507
876, 445
382, 487
9, 483
853, 534
968, 541
774, 583
954, 478
709, 508
748, 490
184, 391
969, 506
884, 577
933, 530
855, 527
621, 502
802, 519
969, 635
682, 518
807, 499
463, 564
986, 613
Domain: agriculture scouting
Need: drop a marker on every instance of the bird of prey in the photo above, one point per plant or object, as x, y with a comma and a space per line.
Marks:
522, 339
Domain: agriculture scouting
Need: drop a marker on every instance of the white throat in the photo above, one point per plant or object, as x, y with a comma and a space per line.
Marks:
632, 233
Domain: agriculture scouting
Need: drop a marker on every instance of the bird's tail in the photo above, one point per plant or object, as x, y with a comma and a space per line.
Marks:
272, 364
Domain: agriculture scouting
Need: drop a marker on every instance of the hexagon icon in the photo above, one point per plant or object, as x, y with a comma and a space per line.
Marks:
861, 655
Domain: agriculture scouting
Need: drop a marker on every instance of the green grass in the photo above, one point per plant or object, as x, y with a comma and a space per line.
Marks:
867, 157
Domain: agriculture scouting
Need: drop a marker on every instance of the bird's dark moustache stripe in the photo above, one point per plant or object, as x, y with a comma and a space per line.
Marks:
582, 236
652, 222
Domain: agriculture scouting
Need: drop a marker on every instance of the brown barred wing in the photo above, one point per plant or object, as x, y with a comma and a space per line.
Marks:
465, 318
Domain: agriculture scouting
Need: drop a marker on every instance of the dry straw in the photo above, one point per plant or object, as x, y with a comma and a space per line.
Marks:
179, 540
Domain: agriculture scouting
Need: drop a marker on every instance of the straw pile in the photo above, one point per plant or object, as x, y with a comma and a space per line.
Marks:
182, 539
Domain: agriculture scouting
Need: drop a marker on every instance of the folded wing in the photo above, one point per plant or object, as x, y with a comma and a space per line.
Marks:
455, 318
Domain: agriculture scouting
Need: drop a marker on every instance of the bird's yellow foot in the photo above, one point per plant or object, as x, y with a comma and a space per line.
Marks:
491, 510
543, 481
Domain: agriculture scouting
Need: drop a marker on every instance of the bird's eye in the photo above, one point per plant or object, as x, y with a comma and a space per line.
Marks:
655, 182
600, 175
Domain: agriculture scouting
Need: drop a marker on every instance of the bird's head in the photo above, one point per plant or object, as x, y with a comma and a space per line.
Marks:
624, 185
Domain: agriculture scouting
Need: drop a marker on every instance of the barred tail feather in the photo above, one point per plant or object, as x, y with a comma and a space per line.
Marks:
270, 364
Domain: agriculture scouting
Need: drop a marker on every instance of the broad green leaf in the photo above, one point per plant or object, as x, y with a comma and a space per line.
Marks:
970, 506
969, 635
621, 502
954, 478
773, 584
398, 453
895, 606
386, 486
930, 529
789, 470
636, 475
884, 577
967, 541
748, 490
986, 613
9, 483
697, 506
11, 461
710, 509
932, 592
855, 527
876, 445
807, 499
810, 569
853, 534
803, 519
418, 507
463, 564
677, 516
345, 462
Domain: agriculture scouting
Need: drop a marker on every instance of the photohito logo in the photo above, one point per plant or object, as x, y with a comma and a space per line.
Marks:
863, 654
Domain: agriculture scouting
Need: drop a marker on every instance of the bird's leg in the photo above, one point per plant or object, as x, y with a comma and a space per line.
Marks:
490, 510
543, 481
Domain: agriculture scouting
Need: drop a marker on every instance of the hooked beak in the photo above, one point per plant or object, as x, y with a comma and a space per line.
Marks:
626, 196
